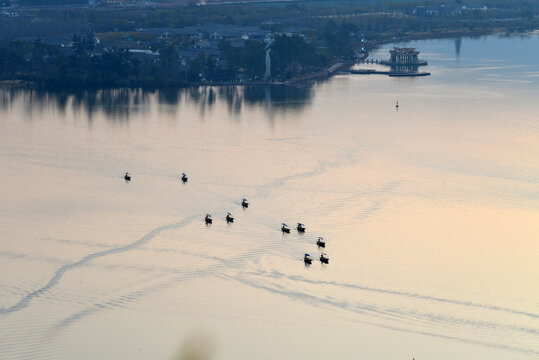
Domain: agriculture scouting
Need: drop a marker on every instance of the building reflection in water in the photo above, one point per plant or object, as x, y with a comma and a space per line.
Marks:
458, 45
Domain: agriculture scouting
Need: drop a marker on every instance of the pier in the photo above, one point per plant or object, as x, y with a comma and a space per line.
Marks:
403, 62
389, 73
368, 72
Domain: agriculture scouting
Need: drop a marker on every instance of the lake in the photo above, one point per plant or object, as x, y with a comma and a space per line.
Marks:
430, 213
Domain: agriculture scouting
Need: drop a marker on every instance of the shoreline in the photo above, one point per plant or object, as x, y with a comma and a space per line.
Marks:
17, 84
449, 34
297, 81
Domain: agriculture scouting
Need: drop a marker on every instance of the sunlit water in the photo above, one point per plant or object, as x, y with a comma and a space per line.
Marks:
431, 216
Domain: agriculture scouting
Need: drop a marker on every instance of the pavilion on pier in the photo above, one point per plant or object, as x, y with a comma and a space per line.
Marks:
404, 60
404, 55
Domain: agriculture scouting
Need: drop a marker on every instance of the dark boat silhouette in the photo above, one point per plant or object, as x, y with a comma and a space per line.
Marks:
229, 218
301, 227
285, 228
321, 242
307, 259
244, 203
208, 219
324, 258
127, 177
184, 178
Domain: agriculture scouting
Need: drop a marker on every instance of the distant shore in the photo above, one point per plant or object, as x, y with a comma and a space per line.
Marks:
446, 34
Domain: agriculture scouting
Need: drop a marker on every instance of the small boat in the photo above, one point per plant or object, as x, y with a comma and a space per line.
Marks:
208, 219
285, 228
321, 242
244, 203
184, 178
307, 259
301, 227
397, 105
229, 218
324, 258
127, 177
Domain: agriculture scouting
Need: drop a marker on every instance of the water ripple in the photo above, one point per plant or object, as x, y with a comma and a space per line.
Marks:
25, 301
406, 294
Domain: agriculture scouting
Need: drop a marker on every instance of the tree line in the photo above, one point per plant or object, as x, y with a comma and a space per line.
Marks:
82, 66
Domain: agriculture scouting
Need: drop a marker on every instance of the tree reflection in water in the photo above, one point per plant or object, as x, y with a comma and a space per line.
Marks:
118, 105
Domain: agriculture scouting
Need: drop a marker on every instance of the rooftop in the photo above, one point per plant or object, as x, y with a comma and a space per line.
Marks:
404, 51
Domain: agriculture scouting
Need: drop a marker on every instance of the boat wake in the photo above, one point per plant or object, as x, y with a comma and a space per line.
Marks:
55, 279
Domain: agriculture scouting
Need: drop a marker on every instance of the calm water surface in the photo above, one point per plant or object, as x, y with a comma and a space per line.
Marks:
431, 216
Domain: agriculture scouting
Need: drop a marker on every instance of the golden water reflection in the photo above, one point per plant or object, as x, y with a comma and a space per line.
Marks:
430, 215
